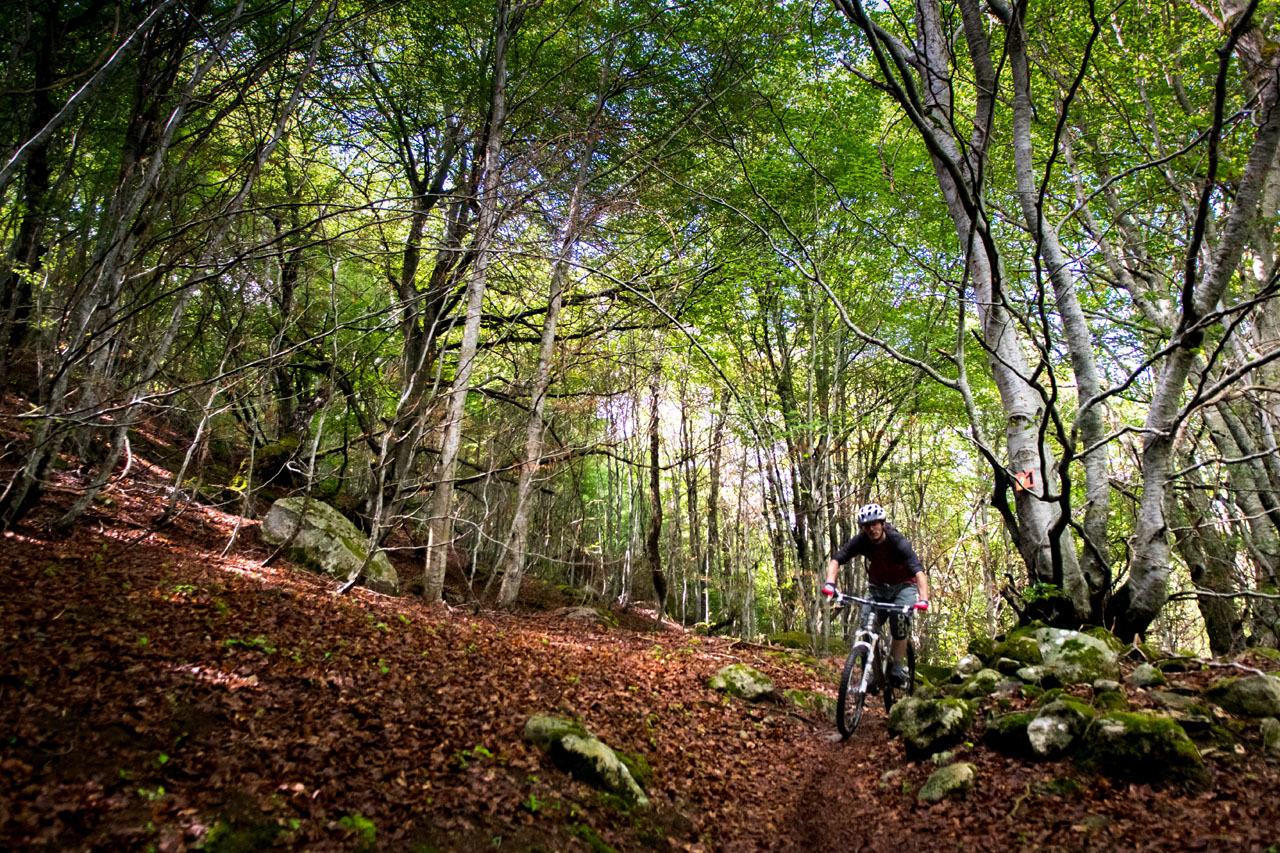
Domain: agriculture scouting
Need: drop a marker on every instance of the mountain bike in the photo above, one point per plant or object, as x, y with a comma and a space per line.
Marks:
868, 667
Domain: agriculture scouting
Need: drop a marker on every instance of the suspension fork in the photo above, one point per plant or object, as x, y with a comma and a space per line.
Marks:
873, 659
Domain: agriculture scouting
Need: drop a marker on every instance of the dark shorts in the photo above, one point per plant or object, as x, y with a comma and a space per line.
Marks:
901, 594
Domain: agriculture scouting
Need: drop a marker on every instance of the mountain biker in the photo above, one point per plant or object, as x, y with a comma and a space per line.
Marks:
894, 574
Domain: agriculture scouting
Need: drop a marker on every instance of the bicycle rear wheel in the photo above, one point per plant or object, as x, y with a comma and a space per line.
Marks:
911, 668
886, 676
852, 691
890, 690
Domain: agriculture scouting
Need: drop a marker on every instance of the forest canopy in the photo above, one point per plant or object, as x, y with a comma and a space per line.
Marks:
648, 297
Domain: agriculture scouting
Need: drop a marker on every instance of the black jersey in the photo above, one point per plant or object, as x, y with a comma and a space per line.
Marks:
890, 561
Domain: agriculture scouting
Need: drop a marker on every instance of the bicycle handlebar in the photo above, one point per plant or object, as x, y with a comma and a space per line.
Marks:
841, 600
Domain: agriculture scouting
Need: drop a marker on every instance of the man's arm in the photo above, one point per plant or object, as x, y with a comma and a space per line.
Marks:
916, 567
833, 568
922, 586
846, 552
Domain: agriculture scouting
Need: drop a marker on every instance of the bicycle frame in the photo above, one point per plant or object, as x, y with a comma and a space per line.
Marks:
868, 635
868, 657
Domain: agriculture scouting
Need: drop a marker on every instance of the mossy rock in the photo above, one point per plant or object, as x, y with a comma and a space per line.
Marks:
590, 760
1022, 648
954, 780
742, 681
323, 539
270, 462
542, 730
981, 684
793, 640
982, 647
602, 617
935, 674
1041, 676
585, 757
1007, 733
812, 703
1176, 665
1032, 691
1223, 740
637, 765
931, 725
1142, 747
1179, 702
1113, 642
1146, 675
1058, 726
1251, 696
1270, 730
925, 690
1008, 666
1029, 628
1111, 700
965, 667
1076, 704
1076, 657
1053, 694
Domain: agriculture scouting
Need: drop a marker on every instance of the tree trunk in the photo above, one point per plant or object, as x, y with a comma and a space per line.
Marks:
1095, 559
512, 564
1136, 604
440, 537
1210, 559
1049, 555
655, 499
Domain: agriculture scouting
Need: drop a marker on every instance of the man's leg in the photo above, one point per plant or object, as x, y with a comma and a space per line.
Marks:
905, 596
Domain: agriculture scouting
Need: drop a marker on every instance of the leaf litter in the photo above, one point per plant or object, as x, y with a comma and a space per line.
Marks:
155, 695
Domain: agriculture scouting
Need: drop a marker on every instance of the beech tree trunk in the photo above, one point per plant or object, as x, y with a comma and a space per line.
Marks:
512, 563
655, 499
440, 523
1136, 604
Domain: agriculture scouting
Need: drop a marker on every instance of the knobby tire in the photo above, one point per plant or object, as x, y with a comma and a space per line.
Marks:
849, 702
911, 668
886, 676
890, 689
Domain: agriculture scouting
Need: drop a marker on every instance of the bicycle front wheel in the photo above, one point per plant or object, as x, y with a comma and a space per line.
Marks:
853, 684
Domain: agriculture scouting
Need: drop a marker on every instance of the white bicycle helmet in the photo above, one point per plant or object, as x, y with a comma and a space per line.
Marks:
870, 513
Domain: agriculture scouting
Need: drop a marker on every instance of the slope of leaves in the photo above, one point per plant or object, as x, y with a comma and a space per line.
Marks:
154, 694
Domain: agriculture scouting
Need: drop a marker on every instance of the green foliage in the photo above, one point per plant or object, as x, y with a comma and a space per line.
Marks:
591, 837
365, 830
638, 766
230, 837
261, 644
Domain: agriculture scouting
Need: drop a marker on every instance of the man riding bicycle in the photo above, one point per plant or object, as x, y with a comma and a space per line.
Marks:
894, 574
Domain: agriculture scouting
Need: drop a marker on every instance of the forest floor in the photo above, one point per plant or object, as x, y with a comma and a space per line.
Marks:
157, 695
